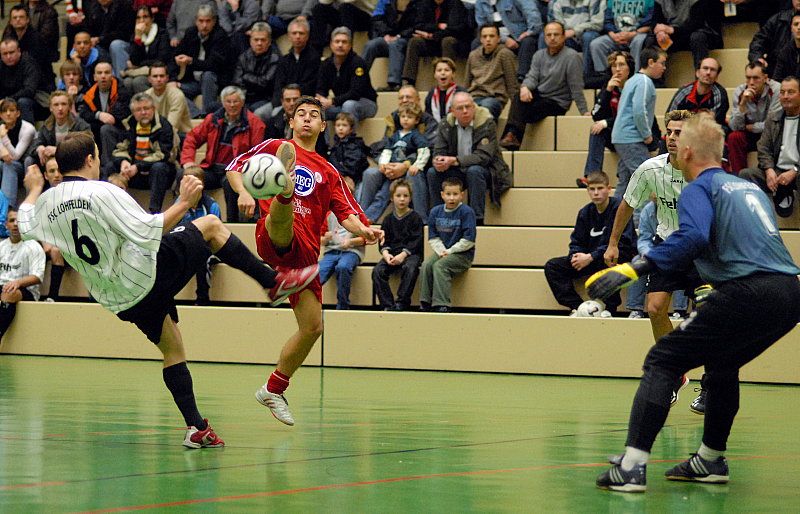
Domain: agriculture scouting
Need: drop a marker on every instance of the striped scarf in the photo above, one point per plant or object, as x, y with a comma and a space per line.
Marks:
440, 110
143, 148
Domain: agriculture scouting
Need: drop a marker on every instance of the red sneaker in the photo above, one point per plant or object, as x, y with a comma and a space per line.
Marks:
291, 281
195, 438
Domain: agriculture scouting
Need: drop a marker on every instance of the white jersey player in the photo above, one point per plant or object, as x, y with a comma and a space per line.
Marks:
135, 263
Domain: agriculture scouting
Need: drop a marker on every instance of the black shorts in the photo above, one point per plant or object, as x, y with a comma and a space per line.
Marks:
668, 281
27, 296
182, 253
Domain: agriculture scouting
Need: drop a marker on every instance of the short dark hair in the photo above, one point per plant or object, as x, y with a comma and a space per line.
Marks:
651, 53
755, 63
72, 151
306, 99
452, 181
597, 177
488, 25
157, 64
349, 118
21, 7
792, 77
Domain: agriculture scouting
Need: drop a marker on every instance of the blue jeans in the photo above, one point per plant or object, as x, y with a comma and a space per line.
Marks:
596, 154
494, 105
120, 56
395, 51
374, 195
343, 263
207, 87
10, 180
361, 109
603, 46
631, 155
476, 178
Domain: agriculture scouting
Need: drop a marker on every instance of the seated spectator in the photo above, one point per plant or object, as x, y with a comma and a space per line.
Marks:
146, 154
492, 72
440, 97
21, 271
255, 71
583, 22
205, 205
280, 14
300, 66
776, 173
519, 23
787, 61
19, 77
626, 26
62, 121
169, 100
742, 11
70, 82
202, 61
695, 26
405, 154
401, 250
772, 36
109, 21
159, 8
753, 102
605, 112
76, 18
86, 56
451, 234
703, 93
467, 148
34, 44
228, 132
278, 126
342, 252
104, 106
236, 17
427, 126
15, 139
182, 17
44, 19
345, 75
554, 81
327, 15
119, 180
441, 28
588, 243
349, 155
150, 43
392, 25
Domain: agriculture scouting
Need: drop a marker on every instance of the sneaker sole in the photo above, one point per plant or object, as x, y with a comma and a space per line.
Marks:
197, 446
282, 298
627, 488
698, 412
265, 404
710, 479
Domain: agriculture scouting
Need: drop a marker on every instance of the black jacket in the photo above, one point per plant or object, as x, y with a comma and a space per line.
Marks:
453, 13
349, 156
593, 229
787, 62
116, 23
350, 82
302, 71
256, 73
385, 21
218, 56
771, 37
120, 100
34, 45
21, 80
159, 50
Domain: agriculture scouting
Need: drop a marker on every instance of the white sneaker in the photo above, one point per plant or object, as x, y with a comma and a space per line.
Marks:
573, 313
277, 405
636, 314
605, 314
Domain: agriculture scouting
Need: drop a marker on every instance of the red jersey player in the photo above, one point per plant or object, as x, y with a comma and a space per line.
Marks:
288, 233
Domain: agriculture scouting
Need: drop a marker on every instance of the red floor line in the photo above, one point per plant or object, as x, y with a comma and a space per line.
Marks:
385, 481
21, 486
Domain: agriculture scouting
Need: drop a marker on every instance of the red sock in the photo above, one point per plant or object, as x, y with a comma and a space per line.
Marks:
277, 383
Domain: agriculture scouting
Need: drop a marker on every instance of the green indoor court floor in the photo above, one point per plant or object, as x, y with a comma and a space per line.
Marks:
94, 435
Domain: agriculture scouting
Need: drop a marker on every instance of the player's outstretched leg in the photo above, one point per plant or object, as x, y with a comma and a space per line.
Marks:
199, 433
230, 250
308, 313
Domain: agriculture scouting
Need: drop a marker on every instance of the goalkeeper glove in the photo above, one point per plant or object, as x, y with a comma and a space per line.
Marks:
606, 282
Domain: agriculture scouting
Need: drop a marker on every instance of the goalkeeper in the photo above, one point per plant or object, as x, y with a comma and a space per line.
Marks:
727, 227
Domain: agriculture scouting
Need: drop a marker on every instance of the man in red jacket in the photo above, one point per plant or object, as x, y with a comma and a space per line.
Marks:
228, 132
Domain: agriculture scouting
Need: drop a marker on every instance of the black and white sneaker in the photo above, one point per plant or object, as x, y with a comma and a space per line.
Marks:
698, 406
617, 479
683, 382
698, 469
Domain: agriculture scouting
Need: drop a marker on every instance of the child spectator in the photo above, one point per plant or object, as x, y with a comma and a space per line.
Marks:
401, 250
206, 205
451, 234
588, 243
349, 153
70, 81
406, 154
440, 96
343, 252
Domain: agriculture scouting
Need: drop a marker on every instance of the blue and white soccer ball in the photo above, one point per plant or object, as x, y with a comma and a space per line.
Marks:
264, 176
589, 309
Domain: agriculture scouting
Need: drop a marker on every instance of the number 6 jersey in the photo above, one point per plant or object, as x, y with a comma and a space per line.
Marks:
102, 233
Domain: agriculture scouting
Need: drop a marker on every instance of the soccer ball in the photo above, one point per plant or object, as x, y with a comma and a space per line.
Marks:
263, 176
589, 309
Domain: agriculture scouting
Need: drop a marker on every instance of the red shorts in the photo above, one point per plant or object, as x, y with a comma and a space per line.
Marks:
298, 256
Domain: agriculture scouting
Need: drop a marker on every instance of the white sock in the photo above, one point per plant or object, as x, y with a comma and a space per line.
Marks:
634, 456
708, 453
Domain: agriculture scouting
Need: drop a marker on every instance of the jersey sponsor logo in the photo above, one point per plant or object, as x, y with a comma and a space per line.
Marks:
177, 229
670, 204
299, 208
596, 233
10, 267
305, 181
75, 203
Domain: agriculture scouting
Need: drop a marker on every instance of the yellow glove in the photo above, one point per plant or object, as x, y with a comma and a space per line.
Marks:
606, 282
